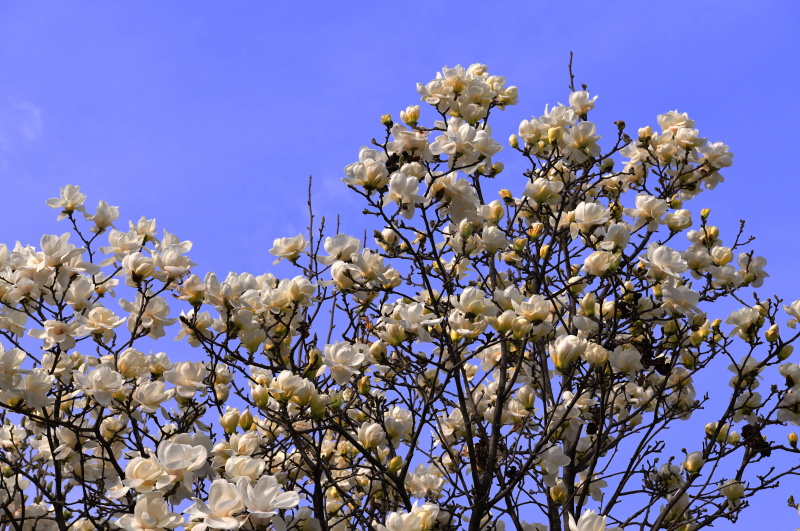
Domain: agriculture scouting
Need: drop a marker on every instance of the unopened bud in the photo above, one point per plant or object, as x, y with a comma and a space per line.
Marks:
498, 167
657, 291
222, 391
506, 196
364, 385
395, 464
513, 141
229, 421
704, 213
793, 440
246, 420
378, 350
772, 334
543, 250
785, 352
465, 229
536, 231
410, 116
260, 395
559, 492
386, 120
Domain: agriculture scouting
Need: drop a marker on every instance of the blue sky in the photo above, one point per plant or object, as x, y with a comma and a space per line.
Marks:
210, 116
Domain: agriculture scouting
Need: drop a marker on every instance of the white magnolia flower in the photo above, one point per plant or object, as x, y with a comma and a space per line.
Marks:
289, 248
151, 513
404, 190
371, 436
551, 460
244, 467
101, 383
180, 461
742, 321
71, 199
344, 361
649, 211
104, 217
580, 142
100, 322
580, 103
56, 332
188, 377
590, 521
142, 474
150, 395
598, 263
10, 366
221, 509
340, 247
626, 359
587, 216
34, 388
266, 497
663, 261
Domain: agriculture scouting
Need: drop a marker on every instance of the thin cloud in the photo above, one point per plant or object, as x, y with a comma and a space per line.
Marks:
20, 123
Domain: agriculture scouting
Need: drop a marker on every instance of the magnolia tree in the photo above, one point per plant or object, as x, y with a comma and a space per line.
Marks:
516, 366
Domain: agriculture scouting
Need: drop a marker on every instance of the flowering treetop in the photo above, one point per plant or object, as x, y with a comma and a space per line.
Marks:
500, 358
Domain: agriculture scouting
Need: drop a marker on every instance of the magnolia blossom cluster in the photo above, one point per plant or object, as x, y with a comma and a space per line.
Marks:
492, 361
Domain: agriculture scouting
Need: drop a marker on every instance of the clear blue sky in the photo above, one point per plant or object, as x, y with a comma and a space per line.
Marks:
210, 116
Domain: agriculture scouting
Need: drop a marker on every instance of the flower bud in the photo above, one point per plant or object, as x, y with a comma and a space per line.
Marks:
410, 116
520, 328
386, 120
260, 395
364, 385
734, 437
704, 213
722, 436
772, 334
498, 167
587, 304
526, 396
559, 492
230, 420
694, 462
711, 427
785, 352
465, 229
222, 392
596, 355
645, 132
506, 196
793, 440
543, 250
394, 334
378, 350
246, 420
513, 141
395, 464
733, 489
536, 231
